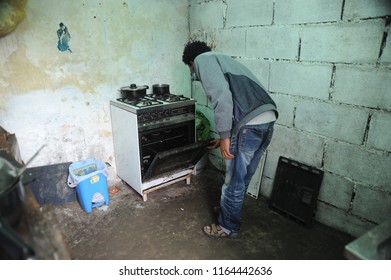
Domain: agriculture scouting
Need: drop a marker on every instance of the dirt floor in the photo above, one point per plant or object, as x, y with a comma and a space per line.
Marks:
168, 226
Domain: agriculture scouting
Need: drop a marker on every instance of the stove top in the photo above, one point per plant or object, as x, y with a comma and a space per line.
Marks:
154, 100
140, 102
158, 104
170, 98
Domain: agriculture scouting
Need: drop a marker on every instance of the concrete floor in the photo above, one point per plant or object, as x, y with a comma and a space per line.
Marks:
168, 226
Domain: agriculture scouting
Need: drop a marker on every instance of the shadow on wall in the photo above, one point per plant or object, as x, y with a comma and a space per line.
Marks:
11, 14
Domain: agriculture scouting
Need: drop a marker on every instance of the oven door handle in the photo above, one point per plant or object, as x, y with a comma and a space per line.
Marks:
183, 149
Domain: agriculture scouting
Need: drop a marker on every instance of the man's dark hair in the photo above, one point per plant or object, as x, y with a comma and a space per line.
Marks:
193, 49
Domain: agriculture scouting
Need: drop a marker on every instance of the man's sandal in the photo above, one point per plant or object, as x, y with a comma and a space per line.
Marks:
217, 232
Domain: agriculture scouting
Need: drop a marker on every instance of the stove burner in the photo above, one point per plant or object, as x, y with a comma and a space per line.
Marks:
139, 102
147, 103
169, 97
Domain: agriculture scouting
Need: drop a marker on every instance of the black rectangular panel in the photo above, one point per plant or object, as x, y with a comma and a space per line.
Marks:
295, 191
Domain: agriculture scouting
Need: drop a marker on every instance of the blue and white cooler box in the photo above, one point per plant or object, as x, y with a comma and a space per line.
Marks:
89, 177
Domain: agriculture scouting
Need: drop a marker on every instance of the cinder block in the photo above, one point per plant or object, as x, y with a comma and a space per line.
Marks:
354, 42
371, 204
379, 135
286, 108
231, 41
358, 9
364, 86
266, 188
352, 161
270, 168
336, 190
201, 108
249, 13
272, 42
206, 16
299, 11
260, 69
335, 121
302, 79
200, 35
194, 2
385, 58
303, 147
336, 218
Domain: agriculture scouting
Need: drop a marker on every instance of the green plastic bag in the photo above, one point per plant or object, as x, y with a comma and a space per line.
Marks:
202, 127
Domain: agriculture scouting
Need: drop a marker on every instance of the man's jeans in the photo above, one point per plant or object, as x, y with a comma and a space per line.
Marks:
248, 147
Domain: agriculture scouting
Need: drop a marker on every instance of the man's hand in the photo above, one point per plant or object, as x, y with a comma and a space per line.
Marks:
224, 148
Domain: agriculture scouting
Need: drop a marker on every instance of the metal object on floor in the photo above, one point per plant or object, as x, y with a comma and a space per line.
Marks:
255, 183
373, 245
12, 196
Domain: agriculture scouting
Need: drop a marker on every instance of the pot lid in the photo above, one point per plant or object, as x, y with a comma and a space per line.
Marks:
134, 87
161, 85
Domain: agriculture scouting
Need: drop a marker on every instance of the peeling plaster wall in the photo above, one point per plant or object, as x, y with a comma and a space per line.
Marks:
327, 64
61, 99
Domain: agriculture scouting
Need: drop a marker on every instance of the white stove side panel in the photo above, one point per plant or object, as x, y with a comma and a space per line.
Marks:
126, 147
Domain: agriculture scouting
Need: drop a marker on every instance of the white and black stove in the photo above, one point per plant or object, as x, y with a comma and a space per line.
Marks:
154, 140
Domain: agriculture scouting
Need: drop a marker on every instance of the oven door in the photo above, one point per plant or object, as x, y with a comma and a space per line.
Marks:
176, 159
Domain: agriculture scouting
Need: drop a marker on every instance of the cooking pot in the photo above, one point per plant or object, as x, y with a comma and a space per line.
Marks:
133, 91
161, 89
